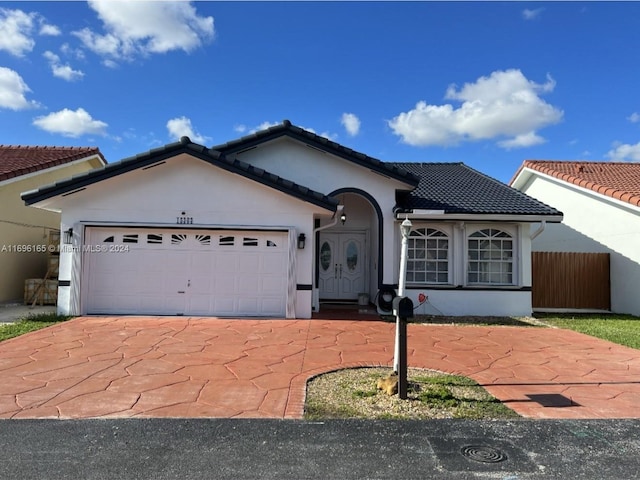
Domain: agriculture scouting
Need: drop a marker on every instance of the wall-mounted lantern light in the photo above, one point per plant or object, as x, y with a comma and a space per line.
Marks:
343, 218
68, 237
301, 241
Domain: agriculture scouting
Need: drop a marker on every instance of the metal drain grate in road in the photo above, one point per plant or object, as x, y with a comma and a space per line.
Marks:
484, 454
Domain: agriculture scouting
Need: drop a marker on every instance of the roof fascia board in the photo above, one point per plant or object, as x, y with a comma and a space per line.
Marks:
94, 176
480, 217
521, 178
51, 169
578, 188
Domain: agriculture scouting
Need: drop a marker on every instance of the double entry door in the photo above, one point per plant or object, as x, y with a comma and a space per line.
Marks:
342, 265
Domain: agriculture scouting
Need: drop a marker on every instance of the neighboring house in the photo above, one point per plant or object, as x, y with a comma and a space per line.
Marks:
24, 229
601, 206
278, 221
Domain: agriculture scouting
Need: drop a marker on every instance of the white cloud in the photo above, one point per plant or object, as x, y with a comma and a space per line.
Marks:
264, 126
181, 127
528, 14
15, 31
49, 30
351, 123
504, 104
140, 28
71, 124
13, 90
67, 50
521, 141
634, 117
240, 128
62, 71
625, 153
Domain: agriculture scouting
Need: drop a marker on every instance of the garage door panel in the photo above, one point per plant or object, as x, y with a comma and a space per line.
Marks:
274, 262
272, 285
271, 306
249, 262
190, 272
248, 304
224, 306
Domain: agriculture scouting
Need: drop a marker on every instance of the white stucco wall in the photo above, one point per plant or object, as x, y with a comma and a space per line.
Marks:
594, 223
327, 173
212, 196
458, 298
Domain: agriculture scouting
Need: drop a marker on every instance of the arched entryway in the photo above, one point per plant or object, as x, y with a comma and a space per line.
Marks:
348, 253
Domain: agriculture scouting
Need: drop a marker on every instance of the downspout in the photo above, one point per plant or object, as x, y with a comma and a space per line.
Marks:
332, 223
336, 217
539, 230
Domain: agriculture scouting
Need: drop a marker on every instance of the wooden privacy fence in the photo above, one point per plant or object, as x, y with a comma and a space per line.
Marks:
570, 280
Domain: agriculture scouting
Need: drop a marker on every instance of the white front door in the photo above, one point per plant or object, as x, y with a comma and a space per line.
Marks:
342, 265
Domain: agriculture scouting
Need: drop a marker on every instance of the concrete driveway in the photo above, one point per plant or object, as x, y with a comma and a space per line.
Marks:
204, 367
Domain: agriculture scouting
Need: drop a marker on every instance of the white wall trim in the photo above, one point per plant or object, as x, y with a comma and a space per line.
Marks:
605, 198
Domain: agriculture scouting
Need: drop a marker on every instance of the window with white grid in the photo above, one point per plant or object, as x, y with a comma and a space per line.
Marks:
428, 257
490, 258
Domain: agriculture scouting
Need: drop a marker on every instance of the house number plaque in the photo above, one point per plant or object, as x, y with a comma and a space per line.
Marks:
184, 220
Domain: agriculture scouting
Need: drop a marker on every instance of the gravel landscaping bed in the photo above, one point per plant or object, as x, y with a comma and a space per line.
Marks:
353, 393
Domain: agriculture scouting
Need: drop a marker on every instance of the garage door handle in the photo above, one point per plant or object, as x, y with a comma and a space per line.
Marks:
180, 291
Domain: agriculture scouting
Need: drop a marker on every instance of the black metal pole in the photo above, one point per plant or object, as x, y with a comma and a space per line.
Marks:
402, 359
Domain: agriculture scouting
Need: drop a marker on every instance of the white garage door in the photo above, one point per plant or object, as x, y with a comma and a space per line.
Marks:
186, 272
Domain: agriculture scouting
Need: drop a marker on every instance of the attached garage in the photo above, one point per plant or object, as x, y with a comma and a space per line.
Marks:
176, 271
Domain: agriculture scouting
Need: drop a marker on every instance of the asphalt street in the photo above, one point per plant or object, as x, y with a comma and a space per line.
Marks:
337, 449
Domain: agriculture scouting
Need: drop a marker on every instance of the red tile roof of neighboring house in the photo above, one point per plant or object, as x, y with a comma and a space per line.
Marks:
613, 179
20, 160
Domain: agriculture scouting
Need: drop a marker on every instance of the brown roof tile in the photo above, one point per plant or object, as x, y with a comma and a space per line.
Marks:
21, 160
613, 179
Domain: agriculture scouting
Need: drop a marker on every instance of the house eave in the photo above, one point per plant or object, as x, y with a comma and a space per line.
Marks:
478, 217
185, 146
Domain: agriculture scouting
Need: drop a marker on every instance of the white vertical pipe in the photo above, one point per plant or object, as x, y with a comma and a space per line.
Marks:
405, 228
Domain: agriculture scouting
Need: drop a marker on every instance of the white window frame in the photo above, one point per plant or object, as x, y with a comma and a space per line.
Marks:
497, 255
426, 237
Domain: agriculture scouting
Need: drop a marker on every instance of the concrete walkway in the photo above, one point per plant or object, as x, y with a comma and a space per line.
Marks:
203, 367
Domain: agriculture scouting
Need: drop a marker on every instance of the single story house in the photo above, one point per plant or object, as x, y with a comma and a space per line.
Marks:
24, 231
601, 206
274, 223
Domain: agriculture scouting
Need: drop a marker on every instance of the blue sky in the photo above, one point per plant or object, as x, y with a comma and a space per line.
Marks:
489, 84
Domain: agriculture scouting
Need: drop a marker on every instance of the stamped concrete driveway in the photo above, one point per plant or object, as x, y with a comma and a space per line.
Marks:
203, 367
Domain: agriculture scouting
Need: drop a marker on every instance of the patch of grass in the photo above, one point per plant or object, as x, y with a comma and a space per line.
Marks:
352, 393
30, 324
620, 329
442, 379
365, 393
317, 410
